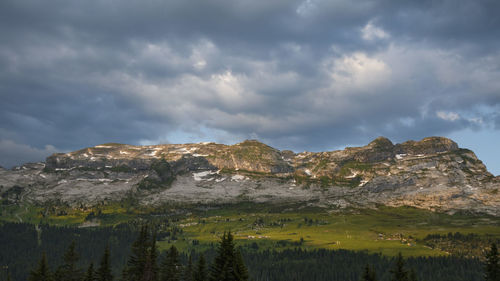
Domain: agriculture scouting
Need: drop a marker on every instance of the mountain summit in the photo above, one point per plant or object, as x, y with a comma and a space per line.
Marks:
433, 173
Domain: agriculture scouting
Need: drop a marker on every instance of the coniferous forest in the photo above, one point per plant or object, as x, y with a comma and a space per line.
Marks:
124, 253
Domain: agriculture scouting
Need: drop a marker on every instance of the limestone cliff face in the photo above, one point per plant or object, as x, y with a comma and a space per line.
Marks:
249, 155
433, 173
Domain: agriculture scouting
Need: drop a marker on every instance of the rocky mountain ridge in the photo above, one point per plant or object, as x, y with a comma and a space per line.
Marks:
433, 173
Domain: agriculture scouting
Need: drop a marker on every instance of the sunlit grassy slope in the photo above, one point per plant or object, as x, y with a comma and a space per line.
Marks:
259, 226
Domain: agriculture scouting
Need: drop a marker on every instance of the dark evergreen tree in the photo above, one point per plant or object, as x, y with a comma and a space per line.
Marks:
241, 269
188, 271
69, 271
399, 273
90, 275
201, 269
42, 272
227, 265
369, 274
492, 267
151, 265
171, 268
224, 256
104, 271
137, 261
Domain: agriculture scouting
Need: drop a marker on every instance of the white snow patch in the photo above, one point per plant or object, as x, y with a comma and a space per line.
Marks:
400, 156
151, 153
220, 180
307, 171
238, 178
200, 155
363, 182
199, 176
351, 176
104, 180
94, 180
470, 187
123, 152
184, 150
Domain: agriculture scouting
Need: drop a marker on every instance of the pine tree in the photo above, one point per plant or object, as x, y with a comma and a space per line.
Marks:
104, 271
69, 270
241, 269
151, 267
220, 262
492, 267
42, 273
227, 265
188, 271
399, 273
90, 275
369, 274
171, 268
224, 257
137, 261
201, 270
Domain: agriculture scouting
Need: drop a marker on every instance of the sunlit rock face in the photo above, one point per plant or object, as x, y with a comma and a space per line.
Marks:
433, 173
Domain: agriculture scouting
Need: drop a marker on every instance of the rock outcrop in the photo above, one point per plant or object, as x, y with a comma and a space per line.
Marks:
433, 173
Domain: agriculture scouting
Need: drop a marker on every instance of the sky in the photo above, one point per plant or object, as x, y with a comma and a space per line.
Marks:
302, 75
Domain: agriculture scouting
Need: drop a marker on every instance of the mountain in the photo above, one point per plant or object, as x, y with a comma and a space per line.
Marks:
433, 173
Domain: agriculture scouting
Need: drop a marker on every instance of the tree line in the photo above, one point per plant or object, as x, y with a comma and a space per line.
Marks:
144, 264
228, 265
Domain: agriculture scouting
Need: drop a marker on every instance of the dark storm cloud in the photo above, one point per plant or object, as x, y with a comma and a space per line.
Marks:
311, 74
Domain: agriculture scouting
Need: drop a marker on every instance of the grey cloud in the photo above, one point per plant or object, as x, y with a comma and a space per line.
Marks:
13, 153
